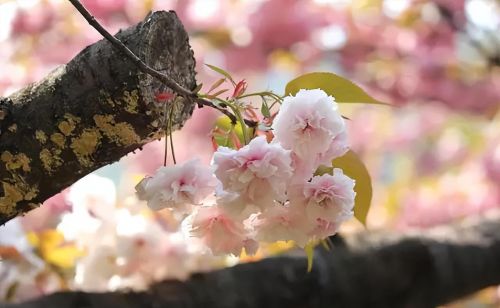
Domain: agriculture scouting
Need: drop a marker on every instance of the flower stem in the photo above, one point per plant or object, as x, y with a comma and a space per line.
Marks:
170, 131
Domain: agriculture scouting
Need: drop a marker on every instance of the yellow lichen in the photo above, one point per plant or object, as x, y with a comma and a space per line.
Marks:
65, 127
32, 193
11, 196
41, 136
6, 156
13, 162
51, 159
11, 192
58, 139
14, 191
126, 134
85, 145
46, 159
72, 118
68, 126
120, 133
131, 100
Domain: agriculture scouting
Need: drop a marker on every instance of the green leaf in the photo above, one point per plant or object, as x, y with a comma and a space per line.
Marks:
354, 168
323, 169
216, 85
326, 243
222, 72
309, 250
223, 123
212, 96
264, 109
343, 90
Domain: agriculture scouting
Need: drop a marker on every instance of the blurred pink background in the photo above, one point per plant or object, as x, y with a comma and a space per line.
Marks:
435, 158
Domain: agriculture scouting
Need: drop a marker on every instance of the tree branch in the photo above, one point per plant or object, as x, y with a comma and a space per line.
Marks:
375, 269
90, 112
130, 54
149, 70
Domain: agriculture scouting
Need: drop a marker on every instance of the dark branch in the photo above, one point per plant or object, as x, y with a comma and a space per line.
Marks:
146, 68
424, 269
129, 54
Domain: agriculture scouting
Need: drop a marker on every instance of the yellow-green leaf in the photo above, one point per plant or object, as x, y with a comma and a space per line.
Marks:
326, 243
222, 72
309, 250
64, 257
11, 291
343, 90
52, 248
223, 123
354, 168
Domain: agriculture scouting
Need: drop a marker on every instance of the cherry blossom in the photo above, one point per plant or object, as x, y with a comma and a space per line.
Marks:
330, 197
282, 223
259, 171
310, 125
338, 147
234, 205
323, 228
219, 231
177, 186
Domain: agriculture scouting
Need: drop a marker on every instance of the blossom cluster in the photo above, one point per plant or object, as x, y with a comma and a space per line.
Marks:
264, 191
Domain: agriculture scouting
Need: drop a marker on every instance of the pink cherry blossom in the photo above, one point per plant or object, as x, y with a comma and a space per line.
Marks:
259, 171
330, 197
234, 205
219, 231
323, 229
338, 147
177, 186
310, 125
282, 223
304, 168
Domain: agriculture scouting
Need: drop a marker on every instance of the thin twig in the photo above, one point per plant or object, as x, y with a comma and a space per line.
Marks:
146, 68
232, 117
170, 135
166, 134
129, 54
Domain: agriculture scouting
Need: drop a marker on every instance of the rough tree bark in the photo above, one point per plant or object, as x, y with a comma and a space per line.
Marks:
369, 270
89, 113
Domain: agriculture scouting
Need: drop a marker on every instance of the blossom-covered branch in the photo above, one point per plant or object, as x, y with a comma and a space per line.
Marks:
263, 190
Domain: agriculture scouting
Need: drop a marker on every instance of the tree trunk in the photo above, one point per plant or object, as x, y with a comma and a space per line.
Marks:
373, 269
89, 113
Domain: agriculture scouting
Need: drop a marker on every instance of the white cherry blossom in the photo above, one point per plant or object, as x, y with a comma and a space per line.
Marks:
177, 187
